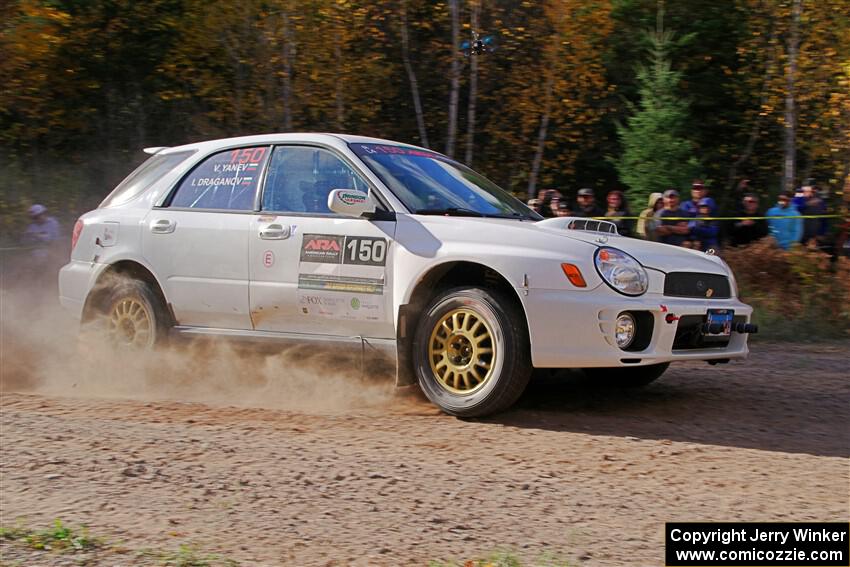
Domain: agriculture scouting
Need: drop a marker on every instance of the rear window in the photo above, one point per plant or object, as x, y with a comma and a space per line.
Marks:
143, 177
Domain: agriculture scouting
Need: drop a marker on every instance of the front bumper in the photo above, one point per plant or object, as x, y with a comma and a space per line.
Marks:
576, 330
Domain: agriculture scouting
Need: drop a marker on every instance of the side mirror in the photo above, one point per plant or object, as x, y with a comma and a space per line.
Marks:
351, 202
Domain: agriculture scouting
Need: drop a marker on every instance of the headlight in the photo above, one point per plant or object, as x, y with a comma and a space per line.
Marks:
620, 271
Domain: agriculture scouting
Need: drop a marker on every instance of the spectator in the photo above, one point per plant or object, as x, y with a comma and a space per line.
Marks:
785, 231
564, 209
617, 208
535, 205
747, 230
705, 232
41, 232
807, 202
42, 229
673, 231
698, 193
549, 199
586, 204
646, 223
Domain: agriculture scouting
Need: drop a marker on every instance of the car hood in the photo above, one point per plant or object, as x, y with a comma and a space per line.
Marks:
663, 257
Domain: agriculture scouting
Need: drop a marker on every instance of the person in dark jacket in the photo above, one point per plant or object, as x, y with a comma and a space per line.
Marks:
748, 230
808, 202
586, 204
617, 208
671, 229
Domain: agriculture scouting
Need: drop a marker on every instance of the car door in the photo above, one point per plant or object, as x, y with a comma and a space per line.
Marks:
313, 271
197, 241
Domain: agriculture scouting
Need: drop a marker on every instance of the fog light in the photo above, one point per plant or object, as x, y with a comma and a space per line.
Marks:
625, 331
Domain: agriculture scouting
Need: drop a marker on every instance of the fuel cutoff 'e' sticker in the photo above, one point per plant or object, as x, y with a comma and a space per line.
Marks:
337, 249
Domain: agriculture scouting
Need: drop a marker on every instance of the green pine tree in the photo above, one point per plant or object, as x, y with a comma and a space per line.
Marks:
657, 153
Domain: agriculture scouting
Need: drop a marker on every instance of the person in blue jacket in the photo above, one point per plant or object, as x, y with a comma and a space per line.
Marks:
705, 232
785, 231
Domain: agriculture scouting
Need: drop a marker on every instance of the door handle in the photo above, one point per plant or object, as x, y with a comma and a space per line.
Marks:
163, 226
275, 232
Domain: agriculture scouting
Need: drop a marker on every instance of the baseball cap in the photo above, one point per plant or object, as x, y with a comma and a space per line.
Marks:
697, 183
36, 210
585, 192
671, 193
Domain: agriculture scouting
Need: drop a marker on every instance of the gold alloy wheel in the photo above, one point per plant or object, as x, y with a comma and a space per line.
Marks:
130, 323
462, 351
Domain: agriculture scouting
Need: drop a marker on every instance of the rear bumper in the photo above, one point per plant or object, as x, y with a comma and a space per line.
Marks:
76, 279
576, 330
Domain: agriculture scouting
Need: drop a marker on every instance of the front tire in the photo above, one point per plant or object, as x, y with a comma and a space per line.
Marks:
471, 352
628, 377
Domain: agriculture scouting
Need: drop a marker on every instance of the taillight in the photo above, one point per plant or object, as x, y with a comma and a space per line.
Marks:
75, 235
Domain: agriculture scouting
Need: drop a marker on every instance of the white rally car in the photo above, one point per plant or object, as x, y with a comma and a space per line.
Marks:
394, 248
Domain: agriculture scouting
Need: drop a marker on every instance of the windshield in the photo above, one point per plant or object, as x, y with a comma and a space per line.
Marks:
428, 183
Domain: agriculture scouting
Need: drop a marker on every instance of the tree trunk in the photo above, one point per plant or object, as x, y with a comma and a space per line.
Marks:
288, 53
411, 76
455, 79
473, 88
541, 140
790, 164
340, 101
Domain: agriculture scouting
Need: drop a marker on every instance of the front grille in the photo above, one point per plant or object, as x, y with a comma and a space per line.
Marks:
690, 284
689, 334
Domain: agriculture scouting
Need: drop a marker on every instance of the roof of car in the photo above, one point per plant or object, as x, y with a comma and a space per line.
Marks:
328, 138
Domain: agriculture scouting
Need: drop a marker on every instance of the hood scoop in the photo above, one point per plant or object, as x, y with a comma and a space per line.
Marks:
580, 223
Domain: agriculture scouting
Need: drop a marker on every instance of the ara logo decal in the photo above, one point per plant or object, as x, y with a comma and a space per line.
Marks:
317, 244
322, 248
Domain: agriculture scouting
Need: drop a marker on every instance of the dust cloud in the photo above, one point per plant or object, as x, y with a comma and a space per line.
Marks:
41, 351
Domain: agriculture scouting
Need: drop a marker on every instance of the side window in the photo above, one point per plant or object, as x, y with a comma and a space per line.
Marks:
300, 178
227, 180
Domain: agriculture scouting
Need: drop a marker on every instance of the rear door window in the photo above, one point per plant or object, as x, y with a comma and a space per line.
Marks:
143, 177
226, 180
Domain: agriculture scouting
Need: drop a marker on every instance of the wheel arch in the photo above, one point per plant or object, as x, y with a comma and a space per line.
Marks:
99, 294
436, 279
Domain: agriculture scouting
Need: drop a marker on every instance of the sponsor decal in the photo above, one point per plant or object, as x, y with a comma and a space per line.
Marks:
322, 248
268, 258
338, 306
351, 198
338, 249
369, 286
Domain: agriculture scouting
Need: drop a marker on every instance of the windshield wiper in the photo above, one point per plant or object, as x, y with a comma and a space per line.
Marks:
450, 211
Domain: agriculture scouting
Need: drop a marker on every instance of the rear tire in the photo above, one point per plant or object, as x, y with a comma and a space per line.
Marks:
628, 377
132, 316
471, 352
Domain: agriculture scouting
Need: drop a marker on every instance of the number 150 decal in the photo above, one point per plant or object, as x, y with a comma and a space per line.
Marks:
365, 250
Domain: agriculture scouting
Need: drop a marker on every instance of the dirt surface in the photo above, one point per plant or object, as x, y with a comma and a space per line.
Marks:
576, 471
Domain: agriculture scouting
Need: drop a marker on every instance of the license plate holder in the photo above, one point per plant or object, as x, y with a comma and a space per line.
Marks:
719, 317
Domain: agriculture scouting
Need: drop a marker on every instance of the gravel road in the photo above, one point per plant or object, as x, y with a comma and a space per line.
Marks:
576, 471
